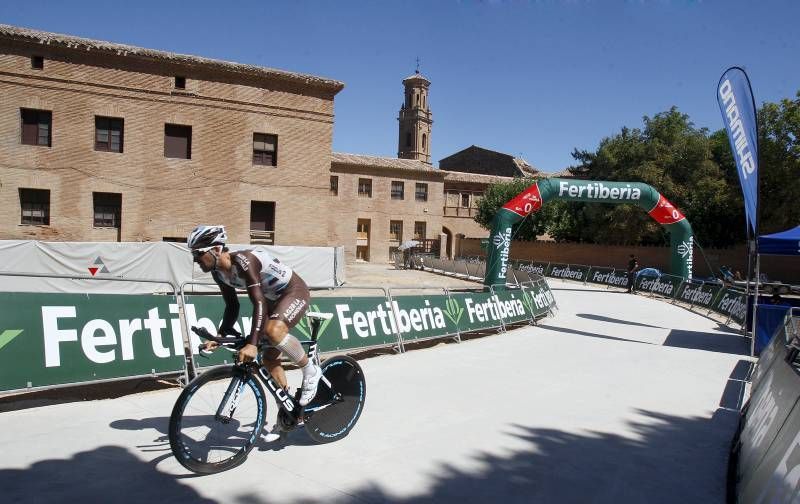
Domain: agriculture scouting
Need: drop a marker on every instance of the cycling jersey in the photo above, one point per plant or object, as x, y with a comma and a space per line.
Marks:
264, 277
266, 270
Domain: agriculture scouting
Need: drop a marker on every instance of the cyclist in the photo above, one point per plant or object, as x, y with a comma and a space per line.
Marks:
279, 296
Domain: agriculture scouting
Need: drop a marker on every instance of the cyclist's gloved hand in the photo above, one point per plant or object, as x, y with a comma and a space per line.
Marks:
248, 353
209, 345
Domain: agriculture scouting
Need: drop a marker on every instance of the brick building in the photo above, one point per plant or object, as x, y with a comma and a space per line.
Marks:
103, 141
108, 142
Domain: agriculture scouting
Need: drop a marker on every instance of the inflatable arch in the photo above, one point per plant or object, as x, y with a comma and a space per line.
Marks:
593, 191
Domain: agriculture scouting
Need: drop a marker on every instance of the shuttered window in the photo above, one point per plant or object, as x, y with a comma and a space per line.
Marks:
177, 141
35, 205
398, 190
36, 127
107, 209
265, 149
108, 133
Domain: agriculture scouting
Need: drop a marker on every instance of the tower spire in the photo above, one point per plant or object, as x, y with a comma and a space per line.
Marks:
415, 119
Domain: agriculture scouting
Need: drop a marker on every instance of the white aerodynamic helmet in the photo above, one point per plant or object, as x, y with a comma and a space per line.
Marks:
203, 237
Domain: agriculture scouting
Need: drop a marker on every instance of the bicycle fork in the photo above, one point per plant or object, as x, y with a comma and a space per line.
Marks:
230, 400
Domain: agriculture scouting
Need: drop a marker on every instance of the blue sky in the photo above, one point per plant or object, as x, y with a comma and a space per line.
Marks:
535, 79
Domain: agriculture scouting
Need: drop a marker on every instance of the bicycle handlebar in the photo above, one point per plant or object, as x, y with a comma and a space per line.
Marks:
233, 342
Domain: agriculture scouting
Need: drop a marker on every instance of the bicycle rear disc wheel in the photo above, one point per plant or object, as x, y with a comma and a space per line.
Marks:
335, 410
206, 434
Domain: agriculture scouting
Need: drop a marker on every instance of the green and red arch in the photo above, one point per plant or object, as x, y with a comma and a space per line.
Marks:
592, 191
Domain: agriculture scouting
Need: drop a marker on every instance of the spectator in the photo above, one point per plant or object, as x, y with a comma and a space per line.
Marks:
633, 265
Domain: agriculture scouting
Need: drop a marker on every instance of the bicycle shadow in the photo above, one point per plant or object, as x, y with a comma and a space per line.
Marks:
296, 437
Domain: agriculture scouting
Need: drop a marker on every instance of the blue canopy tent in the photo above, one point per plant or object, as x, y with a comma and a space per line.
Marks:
783, 243
769, 317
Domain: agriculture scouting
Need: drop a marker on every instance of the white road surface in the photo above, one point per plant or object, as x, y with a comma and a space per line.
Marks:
616, 399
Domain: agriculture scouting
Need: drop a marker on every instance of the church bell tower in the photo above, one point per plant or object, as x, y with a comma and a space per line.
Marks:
415, 120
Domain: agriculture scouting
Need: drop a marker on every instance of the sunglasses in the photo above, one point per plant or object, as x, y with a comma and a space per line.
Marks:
197, 254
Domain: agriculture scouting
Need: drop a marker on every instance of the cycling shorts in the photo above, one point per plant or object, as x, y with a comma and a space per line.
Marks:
292, 302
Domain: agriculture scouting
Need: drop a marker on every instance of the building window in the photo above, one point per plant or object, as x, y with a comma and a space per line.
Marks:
421, 194
262, 222
35, 205
398, 190
408, 139
419, 230
396, 230
464, 200
424, 141
334, 185
37, 62
107, 209
365, 187
177, 141
265, 149
36, 127
108, 133
180, 82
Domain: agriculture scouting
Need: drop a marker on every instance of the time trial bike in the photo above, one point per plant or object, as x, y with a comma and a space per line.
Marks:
220, 414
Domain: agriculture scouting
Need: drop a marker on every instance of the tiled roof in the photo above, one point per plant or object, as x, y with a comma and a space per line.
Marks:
14, 33
381, 162
525, 167
416, 76
455, 176
562, 174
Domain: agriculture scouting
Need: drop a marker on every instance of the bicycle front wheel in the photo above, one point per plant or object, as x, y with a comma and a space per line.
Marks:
217, 419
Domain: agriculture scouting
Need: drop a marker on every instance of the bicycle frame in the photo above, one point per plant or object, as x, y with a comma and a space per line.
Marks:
231, 398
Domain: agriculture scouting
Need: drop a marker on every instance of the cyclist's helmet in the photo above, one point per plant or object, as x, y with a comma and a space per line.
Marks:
204, 237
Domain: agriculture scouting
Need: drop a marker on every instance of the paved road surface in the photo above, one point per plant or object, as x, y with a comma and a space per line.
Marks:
618, 398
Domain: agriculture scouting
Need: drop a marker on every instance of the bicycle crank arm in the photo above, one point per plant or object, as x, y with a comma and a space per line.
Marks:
336, 399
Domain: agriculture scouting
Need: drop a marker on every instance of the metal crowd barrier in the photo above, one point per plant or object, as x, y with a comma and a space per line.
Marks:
716, 299
386, 320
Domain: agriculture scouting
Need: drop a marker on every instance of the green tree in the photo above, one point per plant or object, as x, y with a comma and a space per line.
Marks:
497, 195
695, 170
779, 165
676, 158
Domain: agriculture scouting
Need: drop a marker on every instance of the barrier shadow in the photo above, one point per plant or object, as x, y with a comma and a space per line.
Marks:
734, 392
105, 474
666, 459
586, 333
707, 341
614, 320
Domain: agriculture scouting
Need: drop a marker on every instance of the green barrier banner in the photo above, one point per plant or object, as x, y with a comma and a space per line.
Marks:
698, 294
515, 306
732, 304
419, 317
608, 276
569, 272
49, 339
483, 310
538, 299
664, 285
549, 270
531, 267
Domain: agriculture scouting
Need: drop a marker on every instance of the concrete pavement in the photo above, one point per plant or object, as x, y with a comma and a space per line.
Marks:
618, 398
